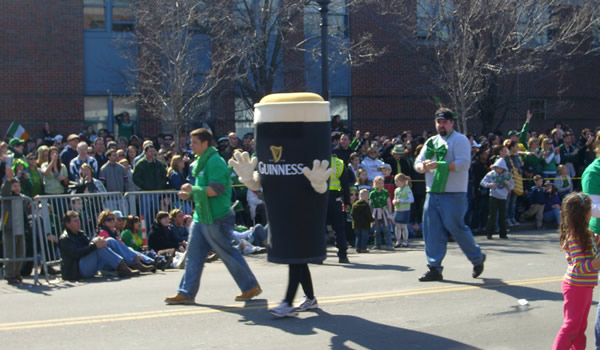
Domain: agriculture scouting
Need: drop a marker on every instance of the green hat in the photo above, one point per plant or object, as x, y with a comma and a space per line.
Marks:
513, 133
15, 141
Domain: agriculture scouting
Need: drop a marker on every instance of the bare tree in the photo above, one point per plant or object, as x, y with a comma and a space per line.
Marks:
190, 52
474, 49
176, 68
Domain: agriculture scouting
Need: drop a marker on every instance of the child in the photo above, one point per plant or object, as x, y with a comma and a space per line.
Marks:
381, 203
388, 179
362, 181
361, 220
403, 197
500, 182
581, 247
562, 182
537, 201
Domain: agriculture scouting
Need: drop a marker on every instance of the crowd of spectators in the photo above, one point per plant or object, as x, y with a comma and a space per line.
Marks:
94, 162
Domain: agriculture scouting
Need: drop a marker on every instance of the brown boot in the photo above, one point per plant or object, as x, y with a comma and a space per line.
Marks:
249, 294
136, 265
124, 271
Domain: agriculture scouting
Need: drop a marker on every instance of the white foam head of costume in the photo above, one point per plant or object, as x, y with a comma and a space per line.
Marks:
291, 107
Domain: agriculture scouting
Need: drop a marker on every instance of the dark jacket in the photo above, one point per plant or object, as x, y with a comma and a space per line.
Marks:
150, 176
402, 165
161, 238
361, 215
537, 195
73, 247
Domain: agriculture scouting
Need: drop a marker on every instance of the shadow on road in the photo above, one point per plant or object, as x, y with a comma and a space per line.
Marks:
346, 329
515, 291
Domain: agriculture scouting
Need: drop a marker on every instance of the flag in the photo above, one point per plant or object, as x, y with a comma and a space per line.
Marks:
17, 130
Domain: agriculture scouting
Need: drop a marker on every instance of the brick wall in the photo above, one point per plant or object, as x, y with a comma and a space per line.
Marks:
41, 65
393, 94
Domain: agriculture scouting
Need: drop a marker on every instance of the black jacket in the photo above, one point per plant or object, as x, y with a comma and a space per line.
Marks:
73, 247
161, 238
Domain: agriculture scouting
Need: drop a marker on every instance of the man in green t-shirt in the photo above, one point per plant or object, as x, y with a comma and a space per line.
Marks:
213, 223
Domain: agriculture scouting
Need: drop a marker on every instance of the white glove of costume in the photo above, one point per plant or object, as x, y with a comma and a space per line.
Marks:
244, 168
319, 175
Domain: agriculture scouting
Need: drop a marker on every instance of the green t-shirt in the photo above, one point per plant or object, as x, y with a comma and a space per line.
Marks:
379, 198
590, 184
215, 171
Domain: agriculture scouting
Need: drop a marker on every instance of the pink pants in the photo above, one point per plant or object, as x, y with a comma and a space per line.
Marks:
576, 308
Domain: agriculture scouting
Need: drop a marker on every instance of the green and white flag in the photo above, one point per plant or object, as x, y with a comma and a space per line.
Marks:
17, 130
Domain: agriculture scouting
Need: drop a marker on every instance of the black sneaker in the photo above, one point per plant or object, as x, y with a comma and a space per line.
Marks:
478, 269
344, 260
432, 275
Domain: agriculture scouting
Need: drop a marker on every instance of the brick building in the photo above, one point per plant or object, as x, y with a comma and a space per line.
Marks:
59, 63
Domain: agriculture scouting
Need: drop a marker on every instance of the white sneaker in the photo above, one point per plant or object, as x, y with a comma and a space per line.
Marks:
307, 304
284, 310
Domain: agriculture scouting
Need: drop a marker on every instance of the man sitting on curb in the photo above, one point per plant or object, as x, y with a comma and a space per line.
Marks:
82, 257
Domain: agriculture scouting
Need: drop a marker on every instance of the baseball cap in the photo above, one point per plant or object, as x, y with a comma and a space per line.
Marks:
72, 137
387, 166
147, 144
118, 214
513, 133
447, 114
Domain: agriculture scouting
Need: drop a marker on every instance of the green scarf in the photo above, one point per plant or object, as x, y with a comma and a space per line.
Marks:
203, 212
440, 176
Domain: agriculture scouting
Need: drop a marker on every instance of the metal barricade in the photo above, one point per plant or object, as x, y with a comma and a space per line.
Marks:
50, 210
148, 203
18, 228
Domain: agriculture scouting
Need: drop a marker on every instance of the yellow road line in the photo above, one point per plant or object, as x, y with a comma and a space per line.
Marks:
195, 311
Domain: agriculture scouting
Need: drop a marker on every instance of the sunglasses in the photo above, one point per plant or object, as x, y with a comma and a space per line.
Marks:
109, 219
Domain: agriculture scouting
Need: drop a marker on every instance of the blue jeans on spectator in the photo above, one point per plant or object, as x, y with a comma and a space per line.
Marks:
362, 238
216, 236
127, 253
382, 227
511, 206
90, 264
552, 215
444, 213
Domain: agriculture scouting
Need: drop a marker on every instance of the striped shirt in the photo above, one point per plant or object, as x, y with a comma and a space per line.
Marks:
580, 271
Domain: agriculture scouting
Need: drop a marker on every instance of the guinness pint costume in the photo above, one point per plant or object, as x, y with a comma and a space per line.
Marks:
292, 135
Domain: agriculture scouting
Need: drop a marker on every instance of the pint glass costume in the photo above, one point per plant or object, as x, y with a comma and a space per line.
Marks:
292, 131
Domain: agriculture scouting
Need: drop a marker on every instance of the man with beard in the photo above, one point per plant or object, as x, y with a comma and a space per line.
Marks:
445, 159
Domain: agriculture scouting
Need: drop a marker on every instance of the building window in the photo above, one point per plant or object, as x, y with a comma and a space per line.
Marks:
106, 15
99, 111
538, 108
244, 117
94, 15
337, 18
434, 19
339, 106
534, 25
96, 112
122, 16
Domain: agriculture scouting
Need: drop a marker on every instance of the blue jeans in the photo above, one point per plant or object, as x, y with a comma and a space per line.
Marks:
127, 253
362, 237
552, 215
216, 236
444, 213
90, 264
511, 206
382, 227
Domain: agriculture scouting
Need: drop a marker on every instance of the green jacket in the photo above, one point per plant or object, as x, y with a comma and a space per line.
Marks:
150, 176
215, 171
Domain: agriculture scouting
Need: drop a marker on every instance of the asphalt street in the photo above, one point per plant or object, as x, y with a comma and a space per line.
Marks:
376, 302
